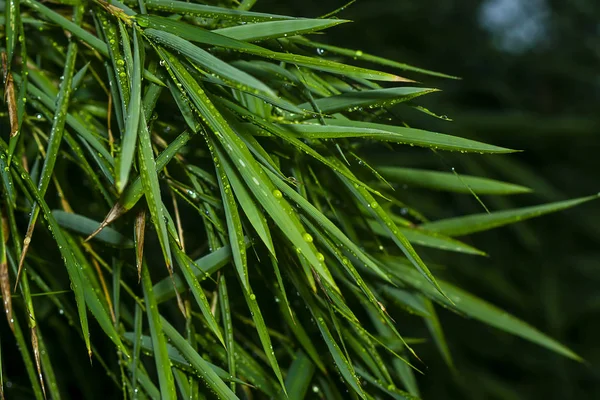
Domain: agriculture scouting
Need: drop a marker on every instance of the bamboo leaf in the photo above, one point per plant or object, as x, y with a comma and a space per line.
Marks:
345, 367
262, 188
396, 134
207, 11
132, 121
234, 223
195, 34
449, 182
158, 328
367, 99
479, 309
85, 226
460, 226
149, 178
277, 29
210, 63
211, 378
299, 376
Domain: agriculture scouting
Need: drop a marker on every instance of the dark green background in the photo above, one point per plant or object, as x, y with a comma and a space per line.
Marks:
530, 82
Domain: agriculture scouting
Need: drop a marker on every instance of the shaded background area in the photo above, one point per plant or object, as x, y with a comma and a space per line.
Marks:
530, 81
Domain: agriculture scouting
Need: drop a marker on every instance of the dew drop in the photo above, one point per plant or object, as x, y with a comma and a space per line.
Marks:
307, 237
277, 194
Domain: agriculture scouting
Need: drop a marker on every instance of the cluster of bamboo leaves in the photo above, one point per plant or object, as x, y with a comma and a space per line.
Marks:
186, 181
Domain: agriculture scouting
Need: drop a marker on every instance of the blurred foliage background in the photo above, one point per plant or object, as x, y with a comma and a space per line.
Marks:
531, 81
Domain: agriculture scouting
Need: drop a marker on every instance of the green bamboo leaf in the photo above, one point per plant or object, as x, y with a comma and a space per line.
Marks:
184, 106
294, 141
416, 137
262, 102
149, 178
189, 270
291, 319
74, 123
206, 11
73, 268
248, 366
136, 338
448, 181
7, 180
476, 308
158, 327
406, 300
263, 189
97, 305
299, 376
365, 350
195, 34
460, 226
202, 268
135, 190
227, 327
214, 382
391, 389
85, 226
323, 221
277, 29
56, 135
23, 347
212, 64
435, 329
263, 334
253, 213
367, 99
125, 159
370, 204
79, 76
72, 27
177, 358
232, 217
11, 25
427, 238
345, 367
359, 54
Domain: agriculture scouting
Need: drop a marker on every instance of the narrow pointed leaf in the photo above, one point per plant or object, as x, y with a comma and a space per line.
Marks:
195, 34
207, 11
188, 269
299, 376
132, 121
157, 327
234, 223
345, 368
277, 29
212, 64
448, 181
149, 178
85, 226
368, 99
262, 188
397, 134
213, 381
460, 226
479, 309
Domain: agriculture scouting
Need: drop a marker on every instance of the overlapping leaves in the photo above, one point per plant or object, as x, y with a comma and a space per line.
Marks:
305, 259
